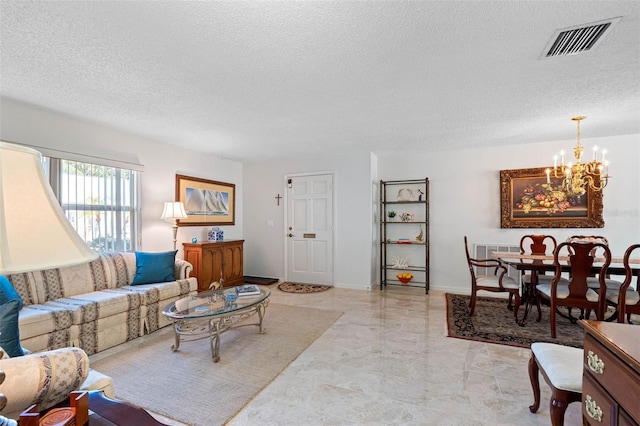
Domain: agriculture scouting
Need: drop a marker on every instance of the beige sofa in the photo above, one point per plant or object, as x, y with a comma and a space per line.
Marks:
93, 306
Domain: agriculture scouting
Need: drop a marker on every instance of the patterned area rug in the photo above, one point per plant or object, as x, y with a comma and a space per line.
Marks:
492, 322
303, 288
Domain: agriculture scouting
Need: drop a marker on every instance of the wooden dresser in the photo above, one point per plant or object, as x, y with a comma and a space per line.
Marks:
212, 259
611, 378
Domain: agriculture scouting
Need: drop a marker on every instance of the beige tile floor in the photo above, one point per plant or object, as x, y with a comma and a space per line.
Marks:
387, 361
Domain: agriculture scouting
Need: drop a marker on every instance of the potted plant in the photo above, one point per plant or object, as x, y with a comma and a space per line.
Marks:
391, 214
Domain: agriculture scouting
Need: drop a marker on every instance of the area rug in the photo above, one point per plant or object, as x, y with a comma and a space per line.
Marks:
492, 322
189, 387
303, 288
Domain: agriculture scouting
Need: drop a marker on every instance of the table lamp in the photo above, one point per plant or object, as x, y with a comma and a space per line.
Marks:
34, 231
174, 210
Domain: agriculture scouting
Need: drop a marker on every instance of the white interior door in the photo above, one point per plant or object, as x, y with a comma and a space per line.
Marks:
310, 229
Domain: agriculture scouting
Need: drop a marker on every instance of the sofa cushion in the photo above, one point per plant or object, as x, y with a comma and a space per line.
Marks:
8, 293
154, 267
72, 280
97, 381
25, 286
42, 320
9, 331
96, 304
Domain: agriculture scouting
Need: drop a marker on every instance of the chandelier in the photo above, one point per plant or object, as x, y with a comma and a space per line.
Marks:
577, 177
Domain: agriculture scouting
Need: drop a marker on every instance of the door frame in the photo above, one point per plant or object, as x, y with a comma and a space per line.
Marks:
334, 234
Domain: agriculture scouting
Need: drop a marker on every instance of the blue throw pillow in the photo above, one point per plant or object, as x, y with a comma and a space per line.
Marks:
7, 292
154, 267
9, 332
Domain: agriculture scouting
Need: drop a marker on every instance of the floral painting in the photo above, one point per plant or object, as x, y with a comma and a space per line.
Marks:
530, 199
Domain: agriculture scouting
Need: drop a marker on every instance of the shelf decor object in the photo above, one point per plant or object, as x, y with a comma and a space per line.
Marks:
580, 176
404, 257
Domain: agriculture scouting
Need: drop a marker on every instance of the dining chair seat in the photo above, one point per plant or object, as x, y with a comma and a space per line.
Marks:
632, 297
611, 284
543, 279
494, 281
562, 292
561, 366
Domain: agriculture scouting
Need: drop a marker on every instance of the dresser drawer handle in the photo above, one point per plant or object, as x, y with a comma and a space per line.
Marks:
595, 363
592, 409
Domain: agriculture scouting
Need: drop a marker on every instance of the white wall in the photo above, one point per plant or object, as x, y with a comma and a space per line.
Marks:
22, 123
464, 194
265, 245
465, 198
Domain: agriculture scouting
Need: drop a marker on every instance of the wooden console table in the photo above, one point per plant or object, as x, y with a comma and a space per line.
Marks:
211, 259
611, 378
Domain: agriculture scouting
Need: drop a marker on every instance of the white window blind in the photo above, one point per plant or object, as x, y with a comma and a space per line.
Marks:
101, 202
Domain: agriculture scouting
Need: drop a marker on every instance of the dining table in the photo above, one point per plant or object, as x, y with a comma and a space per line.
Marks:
540, 263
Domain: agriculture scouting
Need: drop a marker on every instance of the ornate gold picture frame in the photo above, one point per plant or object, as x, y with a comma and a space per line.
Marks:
529, 200
207, 202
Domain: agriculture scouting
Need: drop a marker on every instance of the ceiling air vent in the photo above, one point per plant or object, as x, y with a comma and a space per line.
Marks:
571, 41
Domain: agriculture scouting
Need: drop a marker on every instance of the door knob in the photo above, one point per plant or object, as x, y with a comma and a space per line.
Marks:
290, 235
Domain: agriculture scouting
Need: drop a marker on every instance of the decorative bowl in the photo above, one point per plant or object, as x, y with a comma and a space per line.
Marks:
404, 280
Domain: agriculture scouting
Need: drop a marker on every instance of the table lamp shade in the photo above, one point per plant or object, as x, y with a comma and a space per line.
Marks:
34, 232
173, 210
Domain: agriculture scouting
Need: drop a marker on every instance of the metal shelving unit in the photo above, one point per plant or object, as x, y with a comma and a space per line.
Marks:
396, 241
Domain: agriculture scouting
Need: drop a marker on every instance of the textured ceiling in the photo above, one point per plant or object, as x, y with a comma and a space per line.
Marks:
254, 81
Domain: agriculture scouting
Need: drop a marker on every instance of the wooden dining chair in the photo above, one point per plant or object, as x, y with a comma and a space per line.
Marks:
626, 299
577, 293
592, 281
493, 278
542, 245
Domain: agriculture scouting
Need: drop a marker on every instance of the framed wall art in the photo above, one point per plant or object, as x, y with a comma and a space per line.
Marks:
207, 202
530, 199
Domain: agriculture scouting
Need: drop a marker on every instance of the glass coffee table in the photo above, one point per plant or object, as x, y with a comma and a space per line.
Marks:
211, 313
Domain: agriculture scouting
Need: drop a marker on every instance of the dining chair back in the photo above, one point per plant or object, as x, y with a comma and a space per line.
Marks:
537, 244
592, 281
493, 278
627, 298
577, 293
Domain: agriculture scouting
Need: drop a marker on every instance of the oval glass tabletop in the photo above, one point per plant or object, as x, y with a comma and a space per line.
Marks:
213, 303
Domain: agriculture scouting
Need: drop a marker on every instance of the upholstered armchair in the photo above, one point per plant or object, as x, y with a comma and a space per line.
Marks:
47, 378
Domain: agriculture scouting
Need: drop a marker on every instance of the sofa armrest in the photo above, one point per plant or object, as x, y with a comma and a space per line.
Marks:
182, 269
43, 378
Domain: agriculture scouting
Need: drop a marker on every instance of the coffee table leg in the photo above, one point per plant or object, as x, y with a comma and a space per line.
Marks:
176, 334
261, 310
214, 338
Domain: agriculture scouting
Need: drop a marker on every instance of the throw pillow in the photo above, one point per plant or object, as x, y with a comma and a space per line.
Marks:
9, 332
154, 267
7, 292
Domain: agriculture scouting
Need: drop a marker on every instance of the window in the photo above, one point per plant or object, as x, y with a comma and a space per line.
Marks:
101, 202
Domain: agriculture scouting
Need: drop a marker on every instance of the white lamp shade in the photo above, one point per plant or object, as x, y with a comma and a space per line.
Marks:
34, 232
173, 210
